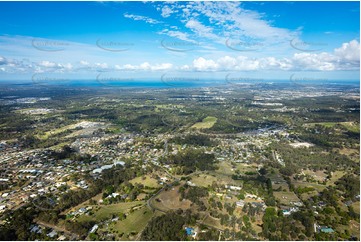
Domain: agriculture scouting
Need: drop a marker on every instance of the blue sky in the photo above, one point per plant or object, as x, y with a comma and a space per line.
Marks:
268, 40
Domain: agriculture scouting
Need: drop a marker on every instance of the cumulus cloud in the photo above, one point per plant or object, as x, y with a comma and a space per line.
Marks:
347, 57
47, 64
344, 58
101, 65
349, 51
202, 64
84, 63
146, 66
240, 63
310, 61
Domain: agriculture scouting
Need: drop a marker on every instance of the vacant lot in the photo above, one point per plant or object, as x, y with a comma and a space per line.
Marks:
356, 207
335, 176
317, 175
146, 181
286, 197
213, 222
135, 222
82, 125
317, 188
167, 200
206, 123
203, 180
107, 211
225, 168
350, 126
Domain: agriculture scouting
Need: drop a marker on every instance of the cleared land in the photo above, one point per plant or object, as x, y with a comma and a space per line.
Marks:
350, 126
107, 211
203, 180
206, 123
82, 124
148, 181
168, 200
286, 197
134, 223
335, 176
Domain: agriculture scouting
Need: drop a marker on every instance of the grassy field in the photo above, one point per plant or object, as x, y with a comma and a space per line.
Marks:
316, 186
242, 167
225, 168
149, 182
282, 186
350, 126
206, 123
213, 222
356, 207
47, 134
286, 197
317, 175
170, 200
106, 211
203, 180
335, 176
59, 146
353, 154
135, 222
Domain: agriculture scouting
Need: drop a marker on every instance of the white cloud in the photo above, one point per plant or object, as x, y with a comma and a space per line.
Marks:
177, 34
200, 29
142, 18
84, 63
345, 58
310, 61
3, 61
47, 64
146, 66
349, 51
230, 19
227, 62
163, 66
101, 65
166, 12
202, 64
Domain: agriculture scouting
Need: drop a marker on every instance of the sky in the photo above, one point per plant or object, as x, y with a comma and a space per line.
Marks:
174, 40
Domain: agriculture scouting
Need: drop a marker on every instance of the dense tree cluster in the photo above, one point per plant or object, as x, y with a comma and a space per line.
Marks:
169, 226
277, 227
313, 158
194, 194
192, 160
193, 139
350, 186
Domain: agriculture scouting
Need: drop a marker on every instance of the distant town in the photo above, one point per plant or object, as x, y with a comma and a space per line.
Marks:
235, 163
